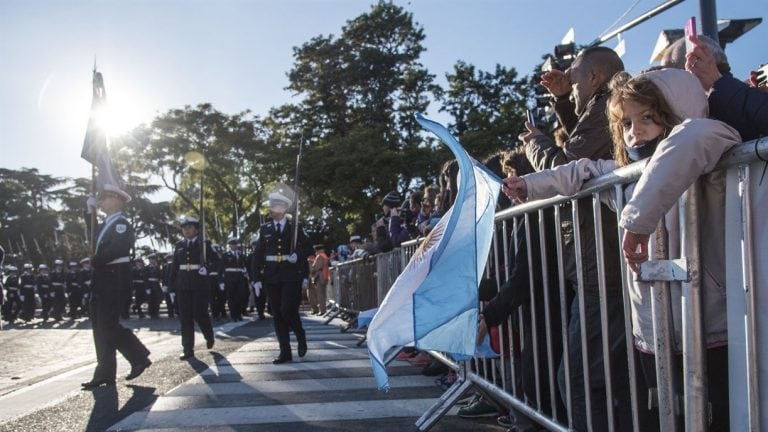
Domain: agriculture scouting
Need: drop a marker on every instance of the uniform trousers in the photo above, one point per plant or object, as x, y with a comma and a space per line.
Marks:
284, 299
193, 308
108, 335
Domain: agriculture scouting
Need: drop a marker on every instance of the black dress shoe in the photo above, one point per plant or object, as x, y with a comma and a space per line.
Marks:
209, 343
96, 383
186, 356
138, 369
281, 360
302, 347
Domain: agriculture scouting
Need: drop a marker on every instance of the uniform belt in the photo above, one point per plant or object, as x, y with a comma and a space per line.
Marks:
120, 260
153, 279
44, 286
275, 258
138, 281
29, 286
13, 288
233, 269
189, 267
57, 284
213, 274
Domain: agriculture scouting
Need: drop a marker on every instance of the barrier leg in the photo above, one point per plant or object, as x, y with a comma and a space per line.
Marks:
443, 404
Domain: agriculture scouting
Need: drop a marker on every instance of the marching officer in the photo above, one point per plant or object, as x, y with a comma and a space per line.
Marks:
27, 293
43, 283
12, 305
58, 297
218, 296
189, 276
110, 284
280, 269
260, 295
74, 291
154, 294
139, 276
168, 290
234, 271
84, 276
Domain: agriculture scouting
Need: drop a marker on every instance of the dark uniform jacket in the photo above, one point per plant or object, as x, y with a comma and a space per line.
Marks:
153, 276
232, 266
57, 279
271, 251
115, 240
139, 277
27, 282
43, 282
187, 260
73, 281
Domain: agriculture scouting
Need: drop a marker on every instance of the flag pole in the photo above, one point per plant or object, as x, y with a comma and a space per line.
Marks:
295, 237
202, 208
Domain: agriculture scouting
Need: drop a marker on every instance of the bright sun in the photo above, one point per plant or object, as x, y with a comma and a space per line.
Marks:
120, 116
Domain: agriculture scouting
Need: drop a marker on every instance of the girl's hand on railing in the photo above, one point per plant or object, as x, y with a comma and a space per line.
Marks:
635, 248
515, 188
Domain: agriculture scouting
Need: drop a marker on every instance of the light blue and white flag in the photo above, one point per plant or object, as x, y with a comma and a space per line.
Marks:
96, 143
433, 304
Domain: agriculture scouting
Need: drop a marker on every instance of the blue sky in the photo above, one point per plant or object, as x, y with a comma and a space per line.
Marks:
161, 54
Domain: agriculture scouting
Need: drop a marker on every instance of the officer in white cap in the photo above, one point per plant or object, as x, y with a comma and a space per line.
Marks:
110, 284
43, 287
74, 292
189, 276
58, 282
280, 270
12, 306
27, 292
234, 279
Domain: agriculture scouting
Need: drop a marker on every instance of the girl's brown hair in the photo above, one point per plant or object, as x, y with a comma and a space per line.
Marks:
640, 90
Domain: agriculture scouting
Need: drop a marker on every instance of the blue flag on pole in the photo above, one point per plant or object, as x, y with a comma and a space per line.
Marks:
96, 142
433, 304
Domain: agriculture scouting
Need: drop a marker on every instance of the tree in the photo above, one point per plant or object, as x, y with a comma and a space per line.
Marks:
359, 93
488, 108
172, 146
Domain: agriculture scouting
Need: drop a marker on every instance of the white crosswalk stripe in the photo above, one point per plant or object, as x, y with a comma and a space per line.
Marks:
332, 385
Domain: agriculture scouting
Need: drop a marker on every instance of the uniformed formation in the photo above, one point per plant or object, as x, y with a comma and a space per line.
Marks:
44, 293
62, 292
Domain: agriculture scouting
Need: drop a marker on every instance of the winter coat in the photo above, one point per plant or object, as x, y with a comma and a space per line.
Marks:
691, 150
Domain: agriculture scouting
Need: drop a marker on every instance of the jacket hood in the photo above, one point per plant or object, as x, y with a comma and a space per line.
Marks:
683, 92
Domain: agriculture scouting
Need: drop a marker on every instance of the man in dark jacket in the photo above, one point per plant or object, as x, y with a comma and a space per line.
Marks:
279, 267
111, 281
581, 95
189, 275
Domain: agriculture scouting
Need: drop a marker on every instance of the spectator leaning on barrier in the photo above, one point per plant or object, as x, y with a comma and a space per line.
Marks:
646, 113
581, 94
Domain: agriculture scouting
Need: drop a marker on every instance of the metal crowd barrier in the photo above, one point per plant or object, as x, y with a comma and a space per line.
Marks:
501, 379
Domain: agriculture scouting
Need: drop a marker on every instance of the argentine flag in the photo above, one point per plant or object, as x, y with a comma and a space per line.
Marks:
433, 304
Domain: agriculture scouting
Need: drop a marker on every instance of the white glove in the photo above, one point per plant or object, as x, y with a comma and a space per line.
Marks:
173, 297
148, 291
257, 288
202, 271
164, 288
22, 298
292, 258
91, 204
305, 283
245, 272
221, 286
